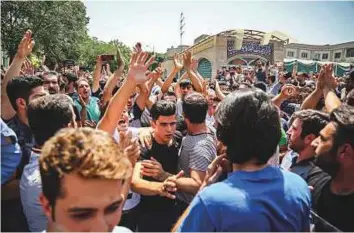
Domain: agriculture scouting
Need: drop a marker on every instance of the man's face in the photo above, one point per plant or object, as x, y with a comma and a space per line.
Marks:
83, 208
165, 128
170, 98
325, 152
131, 101
84, 89
50, 83
123, 123
186, 89
296, 143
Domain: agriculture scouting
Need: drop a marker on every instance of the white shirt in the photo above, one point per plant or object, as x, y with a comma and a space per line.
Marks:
132, 202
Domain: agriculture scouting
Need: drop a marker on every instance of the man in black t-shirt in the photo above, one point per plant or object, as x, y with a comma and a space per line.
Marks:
157, 206
333, 198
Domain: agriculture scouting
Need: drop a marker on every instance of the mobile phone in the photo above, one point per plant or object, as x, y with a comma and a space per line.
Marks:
107, 57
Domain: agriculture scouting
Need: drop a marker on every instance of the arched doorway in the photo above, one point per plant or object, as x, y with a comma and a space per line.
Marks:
204, 68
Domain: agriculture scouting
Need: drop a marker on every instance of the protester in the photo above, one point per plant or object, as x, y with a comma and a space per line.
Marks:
256, 196
333, 197
46, 115
77, 162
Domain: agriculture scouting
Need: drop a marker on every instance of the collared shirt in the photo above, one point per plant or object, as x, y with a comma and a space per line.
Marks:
10, 152
93, 109
30, 189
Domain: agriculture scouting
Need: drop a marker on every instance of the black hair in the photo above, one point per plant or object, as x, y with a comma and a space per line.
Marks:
313, 121
72, 78
162, 108
261, 85
48, 114
21, 87
272, 78
169, 93
195, 108
248, 124
343, 117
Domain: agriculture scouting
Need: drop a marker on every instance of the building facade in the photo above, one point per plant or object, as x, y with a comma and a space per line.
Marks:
327, 53
216, 51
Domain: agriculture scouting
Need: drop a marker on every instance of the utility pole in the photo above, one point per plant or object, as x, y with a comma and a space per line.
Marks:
181, 26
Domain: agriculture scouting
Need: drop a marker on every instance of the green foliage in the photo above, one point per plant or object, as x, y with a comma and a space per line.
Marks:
57, 27
90, 48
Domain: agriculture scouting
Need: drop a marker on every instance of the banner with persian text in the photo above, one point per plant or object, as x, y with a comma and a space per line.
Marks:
250, 47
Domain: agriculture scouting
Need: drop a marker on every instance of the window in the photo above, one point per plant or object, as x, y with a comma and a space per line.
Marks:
317, 56
290, 54
325, 56
350, 52
303, 55
337, 55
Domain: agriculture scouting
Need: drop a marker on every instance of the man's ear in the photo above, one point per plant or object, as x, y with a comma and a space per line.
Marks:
21, 103
47, 209
153, 124
309, 138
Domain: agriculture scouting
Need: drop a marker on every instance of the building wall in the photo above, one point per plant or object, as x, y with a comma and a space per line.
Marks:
320, 50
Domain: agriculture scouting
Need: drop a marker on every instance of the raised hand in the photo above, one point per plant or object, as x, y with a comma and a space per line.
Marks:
99, 61
194, 65
91, 124
177, 63
26, 45
139, 66
120, 60
215, 169
187, 60
157, 73
82, 102
330, 81
288, 91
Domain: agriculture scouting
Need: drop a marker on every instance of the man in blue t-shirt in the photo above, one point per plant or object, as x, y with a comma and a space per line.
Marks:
255, 196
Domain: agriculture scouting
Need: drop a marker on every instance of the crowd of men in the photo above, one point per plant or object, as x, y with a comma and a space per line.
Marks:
257, 149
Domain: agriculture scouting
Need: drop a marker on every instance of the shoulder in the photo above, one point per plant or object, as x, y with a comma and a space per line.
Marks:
295, 185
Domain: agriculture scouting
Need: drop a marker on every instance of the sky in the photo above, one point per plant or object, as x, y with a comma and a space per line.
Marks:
156, 23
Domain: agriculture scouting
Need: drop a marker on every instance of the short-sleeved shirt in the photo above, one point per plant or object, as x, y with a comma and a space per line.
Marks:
270, 199
338, 210
197, 152
133, 199
25, 139
167, 156
30, 189
10, 152
93, 109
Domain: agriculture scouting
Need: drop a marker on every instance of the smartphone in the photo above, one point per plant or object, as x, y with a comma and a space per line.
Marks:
107, 57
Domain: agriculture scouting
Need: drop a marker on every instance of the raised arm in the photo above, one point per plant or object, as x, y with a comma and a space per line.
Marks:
136, 75
113, 79
177, 67
97, 74
187, 61
312, 100
286, 92
331, 99
24, 49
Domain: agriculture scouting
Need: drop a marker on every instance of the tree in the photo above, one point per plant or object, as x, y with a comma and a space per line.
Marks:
90, 48
58, 27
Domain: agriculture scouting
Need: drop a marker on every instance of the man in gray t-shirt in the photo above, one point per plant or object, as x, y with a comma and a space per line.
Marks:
198, 148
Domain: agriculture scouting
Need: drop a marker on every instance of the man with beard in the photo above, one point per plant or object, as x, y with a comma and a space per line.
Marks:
51, 82
87, 105
305, 127
333, 198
